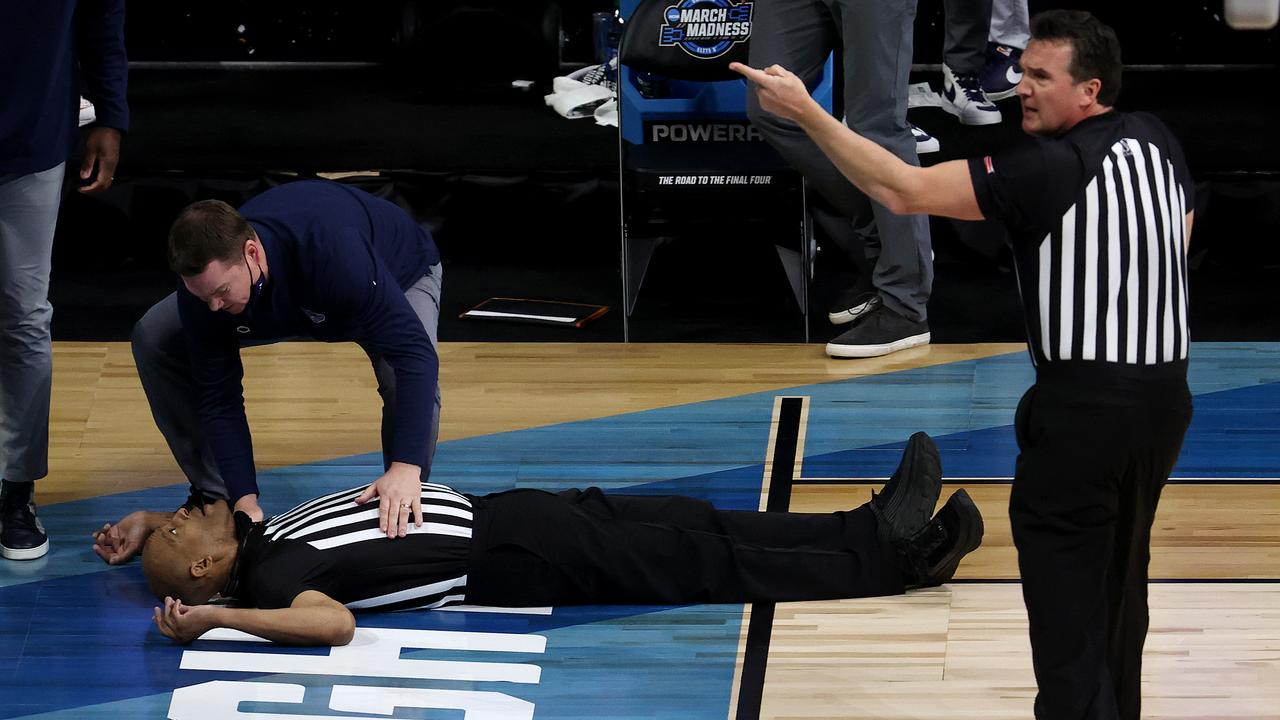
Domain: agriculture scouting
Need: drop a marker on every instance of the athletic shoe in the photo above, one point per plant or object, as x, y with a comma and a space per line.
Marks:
906, 501
22, 536
931, 556
925, 143
963, 97
1002, 73
87, 113
880, 331
853, 303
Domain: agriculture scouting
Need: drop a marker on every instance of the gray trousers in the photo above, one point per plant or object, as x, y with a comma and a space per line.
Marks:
164, 367
28, 215
967, 24
1010, 23
877, 41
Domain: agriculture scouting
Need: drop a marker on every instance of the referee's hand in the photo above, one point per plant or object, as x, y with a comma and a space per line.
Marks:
399, 493
780, 91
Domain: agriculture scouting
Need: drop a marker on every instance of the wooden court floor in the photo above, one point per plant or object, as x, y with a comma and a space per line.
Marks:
619, 415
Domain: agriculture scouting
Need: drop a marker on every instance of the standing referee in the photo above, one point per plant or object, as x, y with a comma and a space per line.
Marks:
1098, 206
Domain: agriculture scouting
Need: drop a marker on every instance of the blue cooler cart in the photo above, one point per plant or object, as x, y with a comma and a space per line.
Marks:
692, 165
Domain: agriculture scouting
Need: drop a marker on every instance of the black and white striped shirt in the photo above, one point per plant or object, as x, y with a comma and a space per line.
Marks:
333, 545
1098, 224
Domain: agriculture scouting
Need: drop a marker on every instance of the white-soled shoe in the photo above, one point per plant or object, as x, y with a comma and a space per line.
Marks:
962, 96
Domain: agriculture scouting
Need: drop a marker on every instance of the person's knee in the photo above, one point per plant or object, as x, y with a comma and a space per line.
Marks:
28, 325
155, 331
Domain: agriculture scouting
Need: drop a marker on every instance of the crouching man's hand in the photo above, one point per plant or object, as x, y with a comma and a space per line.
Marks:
399, 493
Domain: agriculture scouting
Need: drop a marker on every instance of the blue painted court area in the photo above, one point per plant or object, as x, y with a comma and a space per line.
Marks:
76, 638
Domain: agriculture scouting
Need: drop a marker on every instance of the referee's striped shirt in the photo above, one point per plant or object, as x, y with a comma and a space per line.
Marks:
333, 545
1098, 223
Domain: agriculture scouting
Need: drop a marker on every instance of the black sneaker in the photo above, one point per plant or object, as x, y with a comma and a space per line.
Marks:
22, 536
880, 331
853, 303
932, 555
906, 502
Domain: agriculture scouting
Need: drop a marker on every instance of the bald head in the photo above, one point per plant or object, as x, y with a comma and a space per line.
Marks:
191, 556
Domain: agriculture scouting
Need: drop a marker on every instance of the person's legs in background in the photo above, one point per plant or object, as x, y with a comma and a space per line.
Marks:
800, 35
968, 23
28, 216
877, 62
1010, 31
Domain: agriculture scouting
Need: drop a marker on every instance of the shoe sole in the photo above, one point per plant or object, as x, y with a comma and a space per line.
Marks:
997, 97
972, 527
867, 351
24, 553
920, 451
929, 146
985, 119
847, 316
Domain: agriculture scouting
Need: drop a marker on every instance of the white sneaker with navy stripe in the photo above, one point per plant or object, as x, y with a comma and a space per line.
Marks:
962, 96
925, 143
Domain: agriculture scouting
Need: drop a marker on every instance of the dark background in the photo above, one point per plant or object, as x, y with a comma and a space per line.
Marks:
231, 98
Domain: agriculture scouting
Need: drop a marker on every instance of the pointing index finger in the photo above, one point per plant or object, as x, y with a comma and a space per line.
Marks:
752, 74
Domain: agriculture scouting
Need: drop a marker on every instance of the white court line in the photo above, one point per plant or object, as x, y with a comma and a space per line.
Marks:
491, 609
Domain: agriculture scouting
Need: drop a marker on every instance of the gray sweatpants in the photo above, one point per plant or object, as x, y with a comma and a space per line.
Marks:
28, 215
968, 23
877, 41
1010, 23
164, 367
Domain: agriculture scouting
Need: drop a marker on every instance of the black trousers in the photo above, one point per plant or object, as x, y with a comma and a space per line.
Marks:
1093, 459
532, 547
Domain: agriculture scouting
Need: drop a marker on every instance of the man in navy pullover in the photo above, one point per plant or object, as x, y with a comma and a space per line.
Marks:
308, 259
47, 47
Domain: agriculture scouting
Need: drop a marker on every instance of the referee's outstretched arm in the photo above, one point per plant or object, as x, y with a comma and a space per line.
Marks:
944, 189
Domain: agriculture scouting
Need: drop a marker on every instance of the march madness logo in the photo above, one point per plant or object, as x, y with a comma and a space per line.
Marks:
706, 28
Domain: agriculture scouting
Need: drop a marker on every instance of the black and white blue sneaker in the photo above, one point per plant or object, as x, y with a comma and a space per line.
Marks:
925, 143
22, 536
1002, 73
963, 96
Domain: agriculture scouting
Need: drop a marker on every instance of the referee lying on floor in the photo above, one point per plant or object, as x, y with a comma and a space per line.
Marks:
296, 577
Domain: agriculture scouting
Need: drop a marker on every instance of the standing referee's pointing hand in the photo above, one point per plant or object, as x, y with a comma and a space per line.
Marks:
780, 91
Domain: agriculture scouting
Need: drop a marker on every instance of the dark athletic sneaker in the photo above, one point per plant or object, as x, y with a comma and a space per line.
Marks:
932, 555
879, 331
22, 536
906, 501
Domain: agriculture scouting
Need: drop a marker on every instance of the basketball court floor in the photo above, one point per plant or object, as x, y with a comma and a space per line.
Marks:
744, 426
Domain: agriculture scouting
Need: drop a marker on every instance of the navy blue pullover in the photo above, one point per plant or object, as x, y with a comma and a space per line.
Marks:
338, 264
42, 45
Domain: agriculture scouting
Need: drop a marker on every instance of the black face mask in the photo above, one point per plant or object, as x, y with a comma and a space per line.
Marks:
255, 286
